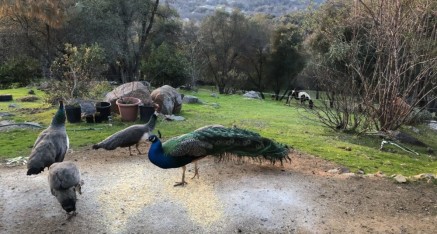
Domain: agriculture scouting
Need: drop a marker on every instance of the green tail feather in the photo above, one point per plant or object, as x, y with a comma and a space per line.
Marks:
242, 143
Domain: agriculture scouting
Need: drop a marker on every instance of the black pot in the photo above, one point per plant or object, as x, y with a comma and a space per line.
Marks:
89, 118
73, 113
146, 112
104, 108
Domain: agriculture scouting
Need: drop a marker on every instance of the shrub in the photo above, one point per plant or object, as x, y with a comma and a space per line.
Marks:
74, 71
20, 72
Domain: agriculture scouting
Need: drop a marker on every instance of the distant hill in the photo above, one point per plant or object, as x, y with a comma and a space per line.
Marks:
197, 9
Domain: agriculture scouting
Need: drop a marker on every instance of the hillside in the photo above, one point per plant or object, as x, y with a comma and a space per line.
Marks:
197, 9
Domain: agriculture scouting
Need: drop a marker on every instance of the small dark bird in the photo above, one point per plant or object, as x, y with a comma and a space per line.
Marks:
51, 144
214, 140
129, 136
64, 181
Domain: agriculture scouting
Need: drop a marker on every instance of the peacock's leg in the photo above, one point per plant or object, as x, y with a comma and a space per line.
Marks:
137, 148
182, 183
196, 171
130, 152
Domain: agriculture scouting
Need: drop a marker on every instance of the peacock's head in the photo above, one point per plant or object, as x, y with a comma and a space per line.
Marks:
153, 138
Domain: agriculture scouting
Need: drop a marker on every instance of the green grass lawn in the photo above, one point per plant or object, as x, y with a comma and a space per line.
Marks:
291, 125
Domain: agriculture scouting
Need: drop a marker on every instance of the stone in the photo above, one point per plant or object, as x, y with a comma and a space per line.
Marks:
400, 179
174, 118
87, 108
135, 89
168, 99
191, 99
252, 94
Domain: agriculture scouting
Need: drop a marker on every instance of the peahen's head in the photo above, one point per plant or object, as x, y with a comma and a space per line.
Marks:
153, 138
59, 118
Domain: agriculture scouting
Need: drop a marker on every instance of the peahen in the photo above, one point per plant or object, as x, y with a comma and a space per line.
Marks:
214, 140
64, 181
51, 145
129, 136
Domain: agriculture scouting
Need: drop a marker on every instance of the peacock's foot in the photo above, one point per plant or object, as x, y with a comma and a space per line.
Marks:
195, 174
182, 183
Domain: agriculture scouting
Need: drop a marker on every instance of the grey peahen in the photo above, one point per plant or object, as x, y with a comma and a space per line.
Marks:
64, 181
51, 145
214, 140
129, 136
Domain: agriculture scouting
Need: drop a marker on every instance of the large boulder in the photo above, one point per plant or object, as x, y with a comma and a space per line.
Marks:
133, 89
168, 99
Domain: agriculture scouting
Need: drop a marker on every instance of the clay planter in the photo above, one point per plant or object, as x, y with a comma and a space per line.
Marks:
128, 108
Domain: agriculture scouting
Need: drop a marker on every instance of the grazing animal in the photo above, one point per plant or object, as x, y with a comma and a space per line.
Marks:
64, 181
298, 95
51, 145
213, 140
129, 136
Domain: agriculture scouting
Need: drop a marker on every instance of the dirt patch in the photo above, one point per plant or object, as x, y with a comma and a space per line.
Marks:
128, 194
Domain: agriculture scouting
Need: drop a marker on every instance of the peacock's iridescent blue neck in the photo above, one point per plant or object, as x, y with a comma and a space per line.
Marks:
59, 118
162, 160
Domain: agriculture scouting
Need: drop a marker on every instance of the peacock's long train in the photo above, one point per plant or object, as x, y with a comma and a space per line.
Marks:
215, 140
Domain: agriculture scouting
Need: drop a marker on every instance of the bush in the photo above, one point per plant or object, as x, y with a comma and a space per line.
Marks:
16, 73
75, 71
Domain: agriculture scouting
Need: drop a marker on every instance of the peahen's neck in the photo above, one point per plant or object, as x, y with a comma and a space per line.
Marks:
160, 159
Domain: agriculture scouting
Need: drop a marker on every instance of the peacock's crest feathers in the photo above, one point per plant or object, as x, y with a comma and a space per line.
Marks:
221, 141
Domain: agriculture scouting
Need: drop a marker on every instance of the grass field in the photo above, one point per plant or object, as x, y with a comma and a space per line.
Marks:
291, 125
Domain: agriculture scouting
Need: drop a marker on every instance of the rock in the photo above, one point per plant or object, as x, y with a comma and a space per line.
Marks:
339, 170
252, 94
400, 179
214, 95
174, 118
13, 105
191, 99
133, 89
360, 172
334, 171
87, 108
425, 176
433, 125
168, 99
215, 105
31, 92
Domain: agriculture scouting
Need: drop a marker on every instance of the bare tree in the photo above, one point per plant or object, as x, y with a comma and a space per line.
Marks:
396, 59
377, 58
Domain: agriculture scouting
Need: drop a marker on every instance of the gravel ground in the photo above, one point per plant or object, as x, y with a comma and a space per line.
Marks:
128, 194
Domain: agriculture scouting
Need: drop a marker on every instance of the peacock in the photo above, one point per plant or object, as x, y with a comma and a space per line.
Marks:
64, 181
51, 145
215, 140
129, 136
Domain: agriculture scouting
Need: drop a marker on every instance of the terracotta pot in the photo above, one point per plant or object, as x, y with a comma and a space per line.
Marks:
128, 108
